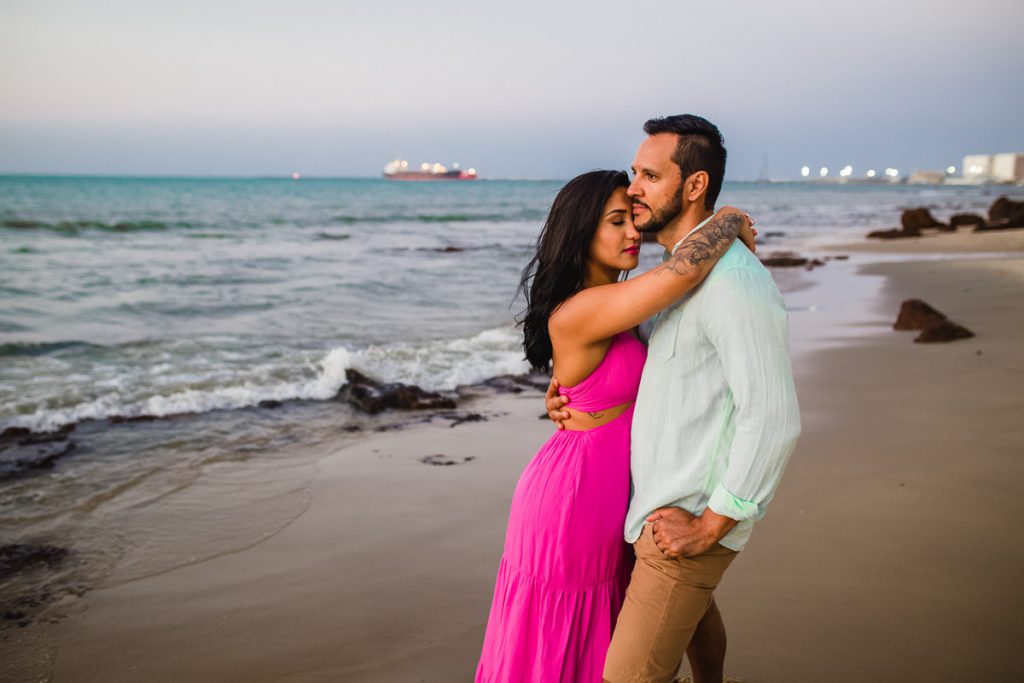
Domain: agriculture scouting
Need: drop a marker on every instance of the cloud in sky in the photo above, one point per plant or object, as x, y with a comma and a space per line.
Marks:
524, 89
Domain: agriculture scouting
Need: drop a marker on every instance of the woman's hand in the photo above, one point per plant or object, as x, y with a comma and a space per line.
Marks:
748, 234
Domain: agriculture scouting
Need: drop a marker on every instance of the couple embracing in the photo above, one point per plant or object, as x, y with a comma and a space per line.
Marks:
676, 445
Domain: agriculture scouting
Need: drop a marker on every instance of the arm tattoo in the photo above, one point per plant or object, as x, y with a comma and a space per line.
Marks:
707, 244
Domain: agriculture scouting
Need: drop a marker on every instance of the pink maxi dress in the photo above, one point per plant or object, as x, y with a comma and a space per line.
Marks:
565, 567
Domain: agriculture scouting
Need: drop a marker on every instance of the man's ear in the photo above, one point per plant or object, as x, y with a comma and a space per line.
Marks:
696, 186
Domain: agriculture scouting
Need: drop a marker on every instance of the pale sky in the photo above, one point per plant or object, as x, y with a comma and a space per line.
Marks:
525, 89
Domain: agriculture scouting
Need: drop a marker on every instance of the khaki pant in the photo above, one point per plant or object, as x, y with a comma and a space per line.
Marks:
664, 603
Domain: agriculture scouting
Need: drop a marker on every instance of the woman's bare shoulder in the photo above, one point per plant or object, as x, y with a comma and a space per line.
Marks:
572, 314
560, 320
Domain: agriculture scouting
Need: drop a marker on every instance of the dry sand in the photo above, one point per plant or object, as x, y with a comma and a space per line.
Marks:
891, 552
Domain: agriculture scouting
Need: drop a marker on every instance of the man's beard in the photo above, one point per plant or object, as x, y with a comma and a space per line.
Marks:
667, 214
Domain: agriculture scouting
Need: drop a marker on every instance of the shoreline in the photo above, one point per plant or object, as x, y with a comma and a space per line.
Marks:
388, 573
963, 241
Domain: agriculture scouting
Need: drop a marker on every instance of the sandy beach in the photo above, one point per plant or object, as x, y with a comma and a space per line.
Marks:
889, 553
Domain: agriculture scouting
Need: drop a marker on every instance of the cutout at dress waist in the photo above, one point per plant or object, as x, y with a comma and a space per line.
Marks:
584, 421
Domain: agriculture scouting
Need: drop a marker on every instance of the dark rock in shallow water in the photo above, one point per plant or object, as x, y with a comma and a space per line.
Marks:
23, 451
962, 219
17, 460
505, 384
913, 221
916, 315
270, 403
15, 433
374, 397
122, 419
943, 331
1004, 214
895, 233
1005, 209
790, 260
919, 219
444, 460
516, 384
25, 435
16, 558
784, 261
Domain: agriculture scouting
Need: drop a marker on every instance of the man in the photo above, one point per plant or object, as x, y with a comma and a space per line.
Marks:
716, 419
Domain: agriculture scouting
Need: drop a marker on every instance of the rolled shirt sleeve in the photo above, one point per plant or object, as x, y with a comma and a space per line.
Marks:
745, 320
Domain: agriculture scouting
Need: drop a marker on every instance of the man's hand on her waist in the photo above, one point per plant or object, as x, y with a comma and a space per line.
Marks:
555, 403
681, 534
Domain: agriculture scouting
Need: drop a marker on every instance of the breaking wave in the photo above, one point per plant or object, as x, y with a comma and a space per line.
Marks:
439, 365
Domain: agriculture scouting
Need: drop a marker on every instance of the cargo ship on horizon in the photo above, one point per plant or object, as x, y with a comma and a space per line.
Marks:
399, 170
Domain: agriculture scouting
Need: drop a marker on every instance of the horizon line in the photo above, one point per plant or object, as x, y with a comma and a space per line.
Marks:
287, 176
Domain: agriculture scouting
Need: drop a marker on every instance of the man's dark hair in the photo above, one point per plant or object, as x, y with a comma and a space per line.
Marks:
701, 148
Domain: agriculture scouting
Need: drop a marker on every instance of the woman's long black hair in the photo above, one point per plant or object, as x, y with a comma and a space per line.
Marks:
558, 268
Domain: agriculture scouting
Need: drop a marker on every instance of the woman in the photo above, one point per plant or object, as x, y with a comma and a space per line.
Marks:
565, 566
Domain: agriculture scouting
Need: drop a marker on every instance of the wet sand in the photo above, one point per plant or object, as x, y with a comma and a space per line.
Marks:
963, 241
890, 552
386, 577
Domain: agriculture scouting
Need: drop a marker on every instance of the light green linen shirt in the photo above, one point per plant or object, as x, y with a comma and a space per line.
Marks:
716, 416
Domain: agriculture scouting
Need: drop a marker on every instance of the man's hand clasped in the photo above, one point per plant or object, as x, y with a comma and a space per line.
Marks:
555, 404
677, 533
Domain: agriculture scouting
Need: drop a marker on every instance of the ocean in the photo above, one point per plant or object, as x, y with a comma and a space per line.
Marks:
188, 335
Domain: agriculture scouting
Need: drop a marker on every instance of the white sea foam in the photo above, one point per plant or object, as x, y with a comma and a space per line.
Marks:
444, 365
437, 365
329, 378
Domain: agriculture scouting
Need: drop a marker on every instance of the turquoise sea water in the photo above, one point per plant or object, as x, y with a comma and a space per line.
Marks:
125, 297
194, 300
